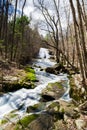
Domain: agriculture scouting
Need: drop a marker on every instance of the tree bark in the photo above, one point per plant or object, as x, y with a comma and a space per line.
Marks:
77, 41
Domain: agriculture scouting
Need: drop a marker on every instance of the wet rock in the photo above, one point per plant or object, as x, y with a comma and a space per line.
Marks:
56, 69
36, 108
51, 52
41, 69
50, 70
53, 91
46, 98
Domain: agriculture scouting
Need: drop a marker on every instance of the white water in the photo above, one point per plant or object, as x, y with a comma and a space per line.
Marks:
23, 98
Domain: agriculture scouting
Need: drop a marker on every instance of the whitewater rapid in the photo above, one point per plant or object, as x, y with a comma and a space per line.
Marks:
21, 99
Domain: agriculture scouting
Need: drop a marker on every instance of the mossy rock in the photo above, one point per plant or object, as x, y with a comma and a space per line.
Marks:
76, 92
25, 121
53, 107
55, 90
11, 87
30, 74
36, 108
26, 79
29, 69
43, 122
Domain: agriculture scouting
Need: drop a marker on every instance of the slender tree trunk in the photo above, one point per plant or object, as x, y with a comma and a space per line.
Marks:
82, 37
85, 15
58, 15
6, 29
67, 41
76, 38
1, 19
12, 46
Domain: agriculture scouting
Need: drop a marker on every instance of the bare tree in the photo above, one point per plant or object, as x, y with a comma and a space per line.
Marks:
77, 40
81, 28
53, 24
12, 44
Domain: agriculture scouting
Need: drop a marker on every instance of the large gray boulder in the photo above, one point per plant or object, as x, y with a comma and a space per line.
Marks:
43, 122
52, 91
56, 69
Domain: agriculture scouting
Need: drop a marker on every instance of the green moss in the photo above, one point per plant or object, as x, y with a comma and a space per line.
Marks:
56, 84
24, 122
36, 107
30, 77
75, 93
13, 115
54, 105
30, 74
4, 121
28, 69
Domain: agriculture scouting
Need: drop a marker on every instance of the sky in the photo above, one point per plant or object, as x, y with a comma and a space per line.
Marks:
36, 15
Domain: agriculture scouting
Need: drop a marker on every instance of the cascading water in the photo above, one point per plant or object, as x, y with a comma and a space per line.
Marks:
23, 98
44, 53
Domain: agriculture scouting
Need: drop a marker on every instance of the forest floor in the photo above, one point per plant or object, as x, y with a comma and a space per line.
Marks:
13, 78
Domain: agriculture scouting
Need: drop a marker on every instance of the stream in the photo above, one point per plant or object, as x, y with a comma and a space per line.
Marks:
23, 98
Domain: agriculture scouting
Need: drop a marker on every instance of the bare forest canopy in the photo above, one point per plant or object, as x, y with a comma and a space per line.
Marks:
65, 24
18, 41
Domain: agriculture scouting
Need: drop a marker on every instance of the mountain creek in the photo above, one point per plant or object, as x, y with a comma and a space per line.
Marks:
47, 106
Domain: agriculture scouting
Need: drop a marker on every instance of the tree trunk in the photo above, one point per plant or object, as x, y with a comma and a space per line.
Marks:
82, 37
12, 44
76, 38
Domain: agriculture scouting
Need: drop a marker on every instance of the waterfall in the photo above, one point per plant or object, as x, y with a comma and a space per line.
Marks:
21, 99
44, 53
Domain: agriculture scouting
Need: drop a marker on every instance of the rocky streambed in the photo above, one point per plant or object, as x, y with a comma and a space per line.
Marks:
47, 106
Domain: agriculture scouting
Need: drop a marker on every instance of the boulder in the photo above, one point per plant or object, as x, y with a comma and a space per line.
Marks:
52, 91
50, 70
43, 122
56, 69
13, 83
37, 107
46, 98
53, 107
51, 52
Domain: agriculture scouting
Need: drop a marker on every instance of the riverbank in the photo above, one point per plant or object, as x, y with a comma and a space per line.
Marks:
13, 78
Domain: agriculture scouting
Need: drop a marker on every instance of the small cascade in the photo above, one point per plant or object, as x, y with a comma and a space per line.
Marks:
23, 98
44, 60
44, 53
